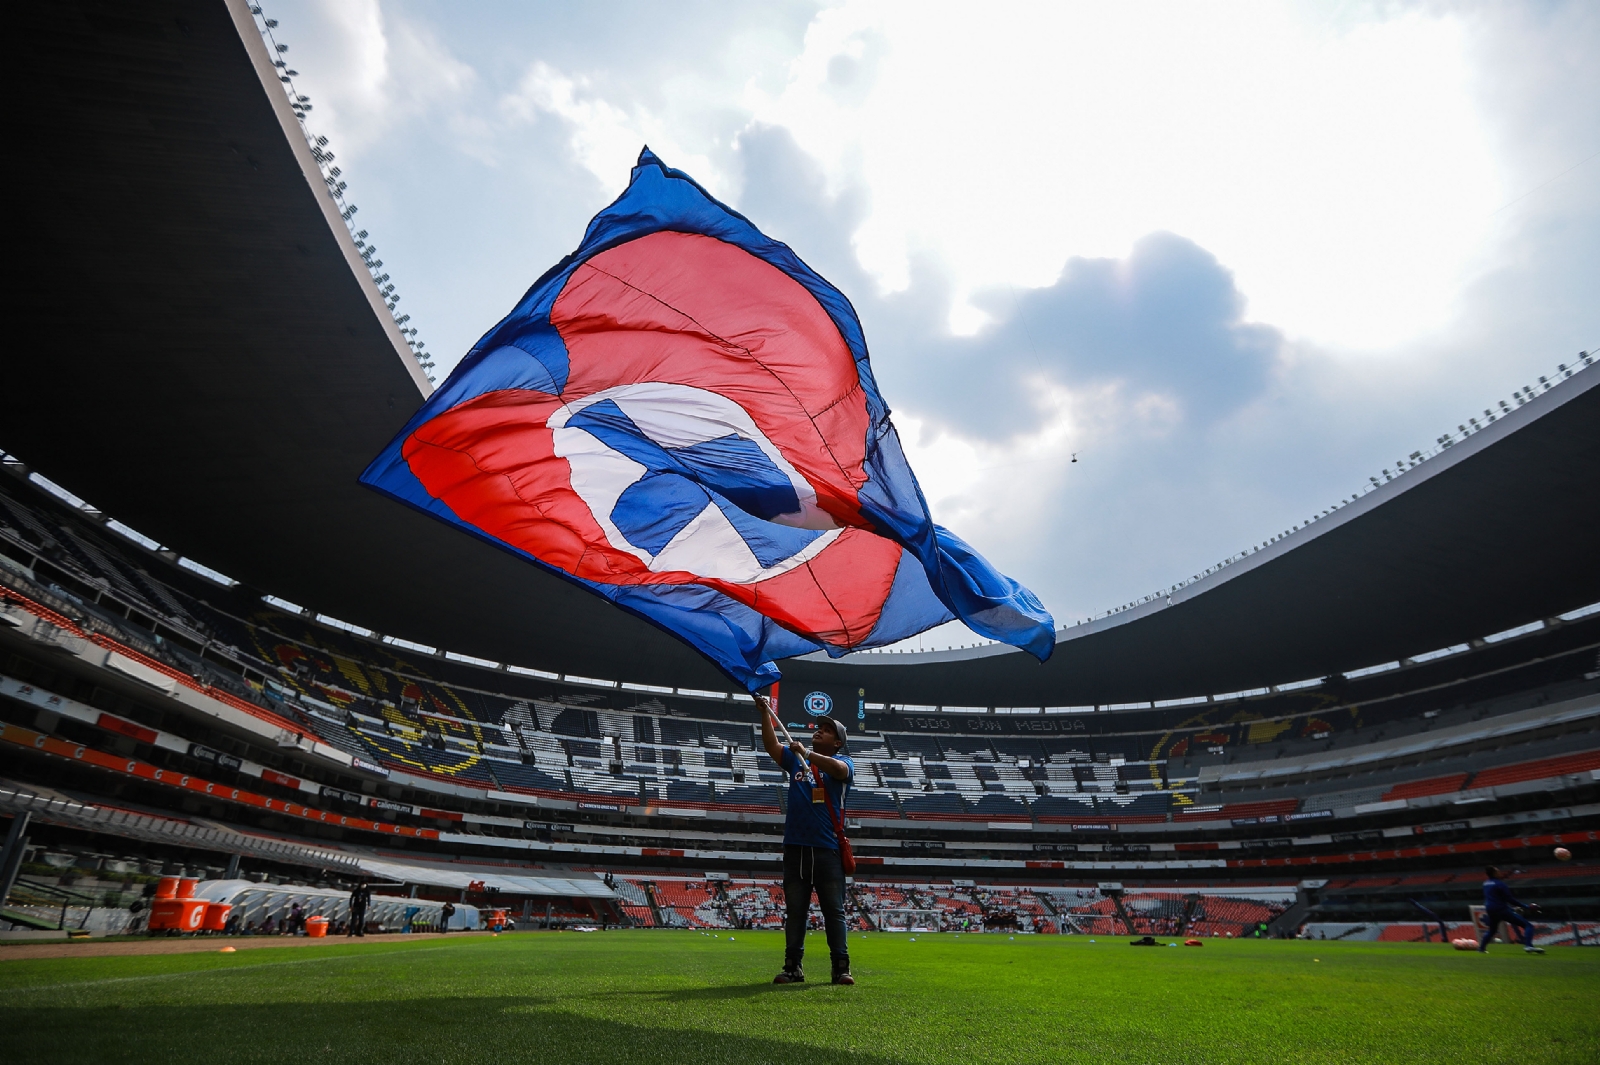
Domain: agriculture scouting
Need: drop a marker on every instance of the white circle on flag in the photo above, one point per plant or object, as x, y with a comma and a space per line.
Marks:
674, 418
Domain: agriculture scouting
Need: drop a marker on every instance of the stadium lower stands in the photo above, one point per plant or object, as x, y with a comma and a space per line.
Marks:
352, 738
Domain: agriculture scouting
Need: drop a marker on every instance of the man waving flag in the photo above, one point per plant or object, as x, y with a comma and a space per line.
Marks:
680, 416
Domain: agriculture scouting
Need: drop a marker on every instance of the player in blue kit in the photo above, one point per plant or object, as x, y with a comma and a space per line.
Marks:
1497, 903
818, 782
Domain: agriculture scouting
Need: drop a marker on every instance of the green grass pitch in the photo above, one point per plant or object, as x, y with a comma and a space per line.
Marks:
685, 998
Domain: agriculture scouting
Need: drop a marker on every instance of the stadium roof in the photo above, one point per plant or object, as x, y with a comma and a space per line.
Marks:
204, 356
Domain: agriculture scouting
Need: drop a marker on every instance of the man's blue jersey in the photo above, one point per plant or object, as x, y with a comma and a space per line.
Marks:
810, 824
1497, 898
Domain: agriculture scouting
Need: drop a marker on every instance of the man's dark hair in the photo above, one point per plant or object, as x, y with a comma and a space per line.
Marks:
1492, 872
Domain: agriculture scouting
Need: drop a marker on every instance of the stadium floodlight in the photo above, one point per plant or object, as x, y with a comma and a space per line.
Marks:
1581, 612
1520, 630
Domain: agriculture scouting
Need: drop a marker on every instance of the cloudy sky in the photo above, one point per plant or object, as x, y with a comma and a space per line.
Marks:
1234, 257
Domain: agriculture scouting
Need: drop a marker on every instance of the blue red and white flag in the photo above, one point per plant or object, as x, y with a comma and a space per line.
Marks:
680, 417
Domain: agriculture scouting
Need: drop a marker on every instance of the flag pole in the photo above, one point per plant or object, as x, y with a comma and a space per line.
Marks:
766, 704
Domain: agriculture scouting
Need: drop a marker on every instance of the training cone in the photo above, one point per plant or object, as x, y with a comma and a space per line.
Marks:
228, 950
1464, 944
1193, 943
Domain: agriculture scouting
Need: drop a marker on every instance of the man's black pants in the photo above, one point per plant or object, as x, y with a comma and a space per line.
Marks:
1495, 918
808, 869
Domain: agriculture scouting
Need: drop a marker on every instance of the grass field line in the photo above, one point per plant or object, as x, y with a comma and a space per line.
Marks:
215, 971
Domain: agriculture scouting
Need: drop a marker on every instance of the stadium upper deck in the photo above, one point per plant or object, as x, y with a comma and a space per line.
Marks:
226, 330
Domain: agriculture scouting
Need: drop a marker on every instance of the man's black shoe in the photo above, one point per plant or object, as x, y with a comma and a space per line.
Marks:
790, 976
841, 972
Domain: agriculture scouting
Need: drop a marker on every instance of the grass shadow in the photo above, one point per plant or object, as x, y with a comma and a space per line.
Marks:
481, 1031
722, 992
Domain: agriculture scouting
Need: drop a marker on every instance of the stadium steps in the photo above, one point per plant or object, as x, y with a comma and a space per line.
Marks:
1292, 918
1564, 765
1432, 786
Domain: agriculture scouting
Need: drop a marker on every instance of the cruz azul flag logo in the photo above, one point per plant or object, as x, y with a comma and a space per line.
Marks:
681, 417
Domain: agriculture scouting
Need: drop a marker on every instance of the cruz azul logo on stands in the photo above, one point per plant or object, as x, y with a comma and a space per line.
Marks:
819, 704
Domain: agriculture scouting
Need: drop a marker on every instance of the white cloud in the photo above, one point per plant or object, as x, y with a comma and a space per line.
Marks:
604, 141
1342, 172
605, 138
370, 70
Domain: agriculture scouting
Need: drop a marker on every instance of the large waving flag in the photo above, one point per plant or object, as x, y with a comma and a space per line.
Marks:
680, 417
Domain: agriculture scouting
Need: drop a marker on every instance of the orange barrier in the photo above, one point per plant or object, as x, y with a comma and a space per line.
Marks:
216, 918
180, 915
168, 888
316, 927
497, 920
186, 886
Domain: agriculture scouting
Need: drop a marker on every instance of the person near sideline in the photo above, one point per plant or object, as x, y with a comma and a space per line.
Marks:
818, 784
358, 910
1497, 904
444, 917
